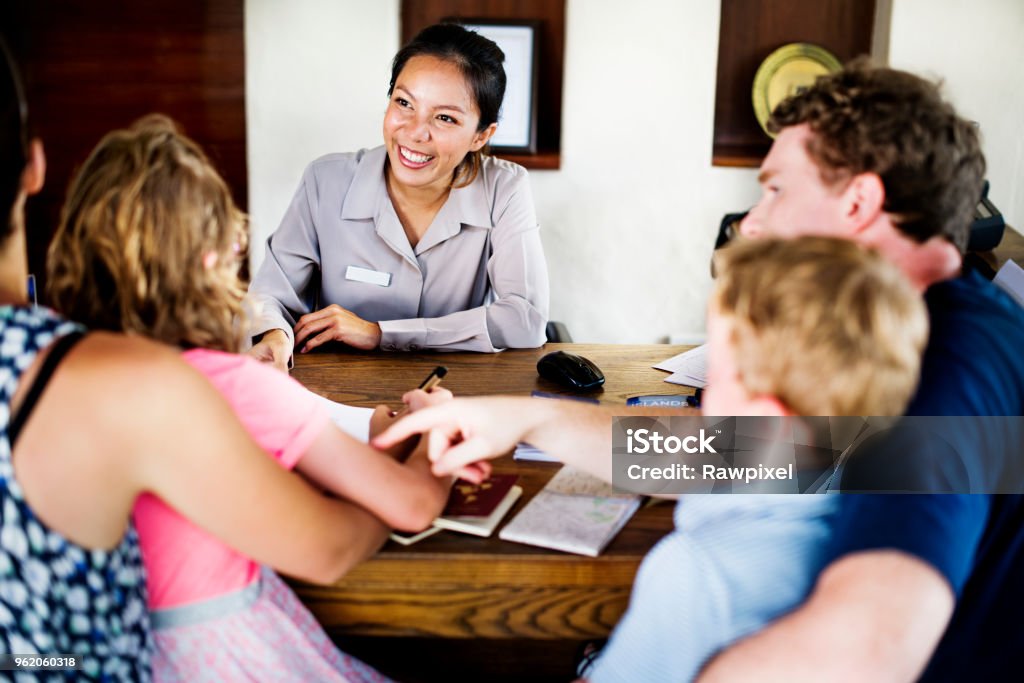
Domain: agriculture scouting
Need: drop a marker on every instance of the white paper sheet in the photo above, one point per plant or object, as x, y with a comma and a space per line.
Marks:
1011, 278
688, 368
525, 451
351, 419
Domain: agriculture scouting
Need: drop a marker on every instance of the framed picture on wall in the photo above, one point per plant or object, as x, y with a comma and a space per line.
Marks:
517, 120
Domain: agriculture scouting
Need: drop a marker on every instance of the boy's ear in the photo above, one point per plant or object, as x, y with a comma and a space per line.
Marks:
865, 199
767, 406
34, 175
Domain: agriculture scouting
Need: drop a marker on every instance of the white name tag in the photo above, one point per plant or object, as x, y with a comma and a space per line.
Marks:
373, 277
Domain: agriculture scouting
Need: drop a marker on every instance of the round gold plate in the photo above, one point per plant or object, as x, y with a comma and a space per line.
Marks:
786, 72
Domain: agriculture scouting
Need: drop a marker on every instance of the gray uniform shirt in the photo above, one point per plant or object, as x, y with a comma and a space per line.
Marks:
476, 281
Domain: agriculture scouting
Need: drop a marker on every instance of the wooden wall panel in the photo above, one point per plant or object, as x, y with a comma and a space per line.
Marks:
750, 30
93, 66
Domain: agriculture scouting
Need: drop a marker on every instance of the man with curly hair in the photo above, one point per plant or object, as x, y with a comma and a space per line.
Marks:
921, 585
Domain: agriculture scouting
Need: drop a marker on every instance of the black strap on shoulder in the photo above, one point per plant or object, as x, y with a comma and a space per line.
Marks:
56, 355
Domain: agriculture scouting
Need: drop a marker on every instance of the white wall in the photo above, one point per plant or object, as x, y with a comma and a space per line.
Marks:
317, 75
977, 47
629, 220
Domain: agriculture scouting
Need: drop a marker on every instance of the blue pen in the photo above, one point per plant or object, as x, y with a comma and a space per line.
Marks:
32, 289
694, 401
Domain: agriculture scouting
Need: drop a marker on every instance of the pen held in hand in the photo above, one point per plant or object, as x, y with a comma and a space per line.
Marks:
432, 380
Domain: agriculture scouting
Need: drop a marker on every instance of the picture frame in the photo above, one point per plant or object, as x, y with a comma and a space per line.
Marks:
517, 120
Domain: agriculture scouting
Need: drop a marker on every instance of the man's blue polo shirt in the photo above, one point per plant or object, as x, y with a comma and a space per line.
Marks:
973, 365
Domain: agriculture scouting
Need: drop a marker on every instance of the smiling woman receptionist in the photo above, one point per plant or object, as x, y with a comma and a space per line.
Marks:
422, 243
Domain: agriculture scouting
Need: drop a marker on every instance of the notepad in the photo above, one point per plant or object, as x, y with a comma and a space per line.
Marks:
575, 513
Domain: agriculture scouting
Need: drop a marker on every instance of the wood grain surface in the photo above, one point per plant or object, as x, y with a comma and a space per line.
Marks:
367, 378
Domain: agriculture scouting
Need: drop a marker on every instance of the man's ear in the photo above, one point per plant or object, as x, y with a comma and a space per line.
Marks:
34, 175
482, 137
864, 200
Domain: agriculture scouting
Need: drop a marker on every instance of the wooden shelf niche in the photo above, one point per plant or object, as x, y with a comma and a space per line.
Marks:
550, 14
750, 30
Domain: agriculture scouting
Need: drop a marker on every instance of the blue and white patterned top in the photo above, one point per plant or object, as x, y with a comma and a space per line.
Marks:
57, 597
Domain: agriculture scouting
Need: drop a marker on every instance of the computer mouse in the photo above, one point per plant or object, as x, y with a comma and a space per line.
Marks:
570, 371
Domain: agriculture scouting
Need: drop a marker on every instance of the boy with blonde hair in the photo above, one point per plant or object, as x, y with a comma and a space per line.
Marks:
819, 326
813, 326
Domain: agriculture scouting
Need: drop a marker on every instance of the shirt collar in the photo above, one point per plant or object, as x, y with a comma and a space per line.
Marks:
467, 205
470, 204
367, 191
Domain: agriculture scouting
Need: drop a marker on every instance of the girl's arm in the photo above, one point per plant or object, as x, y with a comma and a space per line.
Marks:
406, 496
122, 416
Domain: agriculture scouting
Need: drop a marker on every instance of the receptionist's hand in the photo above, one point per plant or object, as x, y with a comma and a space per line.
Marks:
335, 323
273, 349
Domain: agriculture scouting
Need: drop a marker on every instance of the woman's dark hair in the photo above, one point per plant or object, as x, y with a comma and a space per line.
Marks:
13, 139
480, 61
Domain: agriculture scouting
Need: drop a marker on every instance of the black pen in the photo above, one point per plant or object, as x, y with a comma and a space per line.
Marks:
432, 380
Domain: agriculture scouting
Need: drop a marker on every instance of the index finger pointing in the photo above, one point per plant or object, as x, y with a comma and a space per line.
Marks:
413, 423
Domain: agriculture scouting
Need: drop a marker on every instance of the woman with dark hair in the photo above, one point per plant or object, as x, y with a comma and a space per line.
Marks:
88, 423
423, 243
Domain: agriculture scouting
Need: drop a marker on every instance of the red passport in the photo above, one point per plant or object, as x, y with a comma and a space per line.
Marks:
478, 500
